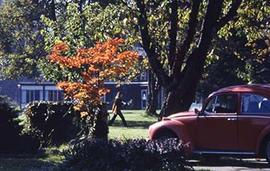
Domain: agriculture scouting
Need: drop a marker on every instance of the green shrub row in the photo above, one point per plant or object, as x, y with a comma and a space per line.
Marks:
129, 155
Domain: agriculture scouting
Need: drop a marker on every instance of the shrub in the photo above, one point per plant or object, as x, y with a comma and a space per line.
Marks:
11, 140
52, 123
140, 154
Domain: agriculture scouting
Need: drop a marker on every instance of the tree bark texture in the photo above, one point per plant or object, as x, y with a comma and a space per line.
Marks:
153, 90
101, 128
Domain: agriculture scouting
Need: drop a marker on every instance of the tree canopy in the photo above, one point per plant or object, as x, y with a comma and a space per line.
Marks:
240, 52
185, 41
93, 66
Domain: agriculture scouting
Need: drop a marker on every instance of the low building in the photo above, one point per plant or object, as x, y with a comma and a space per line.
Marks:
134, 92
24, 91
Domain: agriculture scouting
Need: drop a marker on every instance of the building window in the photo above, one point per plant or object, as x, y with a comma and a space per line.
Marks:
143, 76
143, 98
55, 95
103, 99
32, 95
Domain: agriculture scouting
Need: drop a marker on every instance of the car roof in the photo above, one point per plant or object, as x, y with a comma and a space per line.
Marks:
263, 89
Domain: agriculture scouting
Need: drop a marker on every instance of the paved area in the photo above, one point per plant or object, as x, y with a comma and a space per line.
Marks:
231, 164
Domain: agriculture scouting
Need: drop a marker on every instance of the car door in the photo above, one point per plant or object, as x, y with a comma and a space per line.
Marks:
253, 118
217, 124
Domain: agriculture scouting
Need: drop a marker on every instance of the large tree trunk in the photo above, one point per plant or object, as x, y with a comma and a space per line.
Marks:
153, 89
180, 97
101, 128
177, 101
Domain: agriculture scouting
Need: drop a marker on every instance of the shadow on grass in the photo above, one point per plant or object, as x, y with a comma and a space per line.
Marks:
18, 163
231, 162
42, 160
133, 124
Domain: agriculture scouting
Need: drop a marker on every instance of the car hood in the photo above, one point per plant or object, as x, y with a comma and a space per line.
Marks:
182, 114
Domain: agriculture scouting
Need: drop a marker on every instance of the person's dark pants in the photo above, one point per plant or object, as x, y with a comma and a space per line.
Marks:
121, 116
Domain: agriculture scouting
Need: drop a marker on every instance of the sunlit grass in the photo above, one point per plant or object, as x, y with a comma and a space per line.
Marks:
138, 123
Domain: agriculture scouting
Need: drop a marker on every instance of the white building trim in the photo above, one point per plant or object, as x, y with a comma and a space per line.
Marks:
31, 87
128, 83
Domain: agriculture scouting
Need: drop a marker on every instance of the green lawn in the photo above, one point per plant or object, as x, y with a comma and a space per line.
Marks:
138, 123
48, 160
45, 161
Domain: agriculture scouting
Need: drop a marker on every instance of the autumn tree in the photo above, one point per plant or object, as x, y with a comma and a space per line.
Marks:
83, 29
92, 66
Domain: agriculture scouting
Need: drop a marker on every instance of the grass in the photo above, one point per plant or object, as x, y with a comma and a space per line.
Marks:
24, 162
138, 123
50, 158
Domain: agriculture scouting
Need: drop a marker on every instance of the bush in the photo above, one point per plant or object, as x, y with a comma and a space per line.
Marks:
52, 123
11, 139
97, 154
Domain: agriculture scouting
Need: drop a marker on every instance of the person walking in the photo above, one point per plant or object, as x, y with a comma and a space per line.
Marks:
116, 108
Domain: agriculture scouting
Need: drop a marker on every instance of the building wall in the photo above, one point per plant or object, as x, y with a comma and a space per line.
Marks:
27, 90
135, 93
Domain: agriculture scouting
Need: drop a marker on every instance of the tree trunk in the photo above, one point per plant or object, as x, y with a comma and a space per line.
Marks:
179, 100
101, 128
180, 97
153, 89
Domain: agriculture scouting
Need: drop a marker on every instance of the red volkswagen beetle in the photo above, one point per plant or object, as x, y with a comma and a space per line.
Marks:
233, 121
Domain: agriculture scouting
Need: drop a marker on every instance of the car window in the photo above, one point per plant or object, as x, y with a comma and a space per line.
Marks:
211, 105
255, 104
226, 103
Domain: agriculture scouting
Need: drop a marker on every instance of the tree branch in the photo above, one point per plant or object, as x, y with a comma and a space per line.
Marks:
193, 21
209, 26
230, 15
149, 46
52, 14
196, 60
127, 5
173, 32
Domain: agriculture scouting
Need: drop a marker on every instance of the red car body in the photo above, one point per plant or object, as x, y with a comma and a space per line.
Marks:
233, 121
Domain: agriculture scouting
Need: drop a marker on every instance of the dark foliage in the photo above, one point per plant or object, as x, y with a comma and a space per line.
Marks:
51, 123
11, 140
140, 154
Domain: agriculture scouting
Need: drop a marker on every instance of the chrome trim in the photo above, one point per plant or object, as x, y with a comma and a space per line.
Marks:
224, 152
218, 116
231, 119
254, 116
236, 116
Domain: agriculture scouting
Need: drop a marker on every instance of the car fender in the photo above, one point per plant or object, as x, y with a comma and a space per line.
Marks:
176, 126
262, 135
